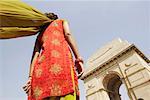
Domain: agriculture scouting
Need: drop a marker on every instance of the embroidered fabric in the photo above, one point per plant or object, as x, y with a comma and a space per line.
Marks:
52, 71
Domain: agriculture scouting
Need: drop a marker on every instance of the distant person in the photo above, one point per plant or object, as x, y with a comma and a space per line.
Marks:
52, 73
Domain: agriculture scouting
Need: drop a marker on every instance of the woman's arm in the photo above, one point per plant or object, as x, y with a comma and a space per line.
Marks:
36, 51
70, 39
72, 44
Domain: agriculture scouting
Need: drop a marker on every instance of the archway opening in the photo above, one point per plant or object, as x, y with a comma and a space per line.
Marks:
113, 86
123, 92
112, 83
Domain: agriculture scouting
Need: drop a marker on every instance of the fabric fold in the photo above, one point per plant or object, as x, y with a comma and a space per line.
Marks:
18, 19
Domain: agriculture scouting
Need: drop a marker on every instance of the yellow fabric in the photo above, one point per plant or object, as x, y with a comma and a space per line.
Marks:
13, 32
19, 18
72, 75
68, 97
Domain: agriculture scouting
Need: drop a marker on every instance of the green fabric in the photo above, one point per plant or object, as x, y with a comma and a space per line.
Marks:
68, 97
19, 19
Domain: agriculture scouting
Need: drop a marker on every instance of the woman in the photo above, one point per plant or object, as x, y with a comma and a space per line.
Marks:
52, 74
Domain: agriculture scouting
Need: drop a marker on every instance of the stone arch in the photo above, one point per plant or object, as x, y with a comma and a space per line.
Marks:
112, 83
117, 63
108, 75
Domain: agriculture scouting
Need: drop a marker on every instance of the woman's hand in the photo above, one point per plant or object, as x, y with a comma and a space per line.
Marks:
27, 86
80, 69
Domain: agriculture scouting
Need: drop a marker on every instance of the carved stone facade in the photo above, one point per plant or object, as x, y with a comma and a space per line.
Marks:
117, 63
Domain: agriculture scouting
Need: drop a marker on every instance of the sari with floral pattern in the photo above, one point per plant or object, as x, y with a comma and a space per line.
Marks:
54, 74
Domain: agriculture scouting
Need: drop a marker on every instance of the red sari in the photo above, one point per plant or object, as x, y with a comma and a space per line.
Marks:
52, 71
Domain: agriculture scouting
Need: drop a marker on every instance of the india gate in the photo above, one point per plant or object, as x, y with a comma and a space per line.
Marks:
117, 63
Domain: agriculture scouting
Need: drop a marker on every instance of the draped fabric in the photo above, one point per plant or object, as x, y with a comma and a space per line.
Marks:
54, 72
19, 19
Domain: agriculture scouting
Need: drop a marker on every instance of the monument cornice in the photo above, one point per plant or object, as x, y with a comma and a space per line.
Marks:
129, 48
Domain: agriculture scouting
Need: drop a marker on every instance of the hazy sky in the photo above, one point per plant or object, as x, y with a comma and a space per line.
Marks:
93, 24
